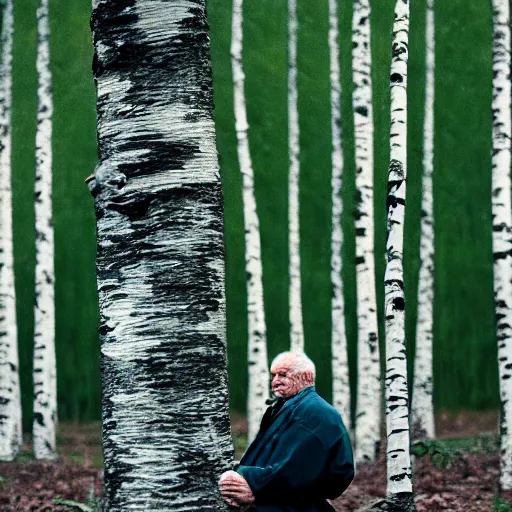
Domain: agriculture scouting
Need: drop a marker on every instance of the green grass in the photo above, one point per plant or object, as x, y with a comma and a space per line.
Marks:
465, 353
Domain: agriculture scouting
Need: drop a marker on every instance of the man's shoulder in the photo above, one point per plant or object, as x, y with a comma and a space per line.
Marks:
319, 417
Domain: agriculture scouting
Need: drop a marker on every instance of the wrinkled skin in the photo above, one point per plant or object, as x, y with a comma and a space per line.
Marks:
285, 383
235, 490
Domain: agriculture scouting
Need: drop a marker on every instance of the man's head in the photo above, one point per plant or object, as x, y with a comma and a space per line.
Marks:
291, 373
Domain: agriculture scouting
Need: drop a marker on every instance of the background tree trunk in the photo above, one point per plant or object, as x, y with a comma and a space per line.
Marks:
11, 431
166, 434
296, 325
368, 410
258, 384
45, 370
340, 375
502, 225
399, 478
422, 401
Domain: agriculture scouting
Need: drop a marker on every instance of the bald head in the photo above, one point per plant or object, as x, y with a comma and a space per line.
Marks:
291, 373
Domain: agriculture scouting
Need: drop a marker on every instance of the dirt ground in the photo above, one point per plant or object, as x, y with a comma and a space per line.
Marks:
468, 483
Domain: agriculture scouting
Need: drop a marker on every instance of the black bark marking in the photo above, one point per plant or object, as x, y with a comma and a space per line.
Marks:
396, 78
39, 419
399, 304
363, 111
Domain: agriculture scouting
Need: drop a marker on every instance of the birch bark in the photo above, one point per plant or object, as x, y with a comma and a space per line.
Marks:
45, 371
257, 332
11, 432
368, 413
502, 226
160, 263
340, 375
399, 478
422, 402
296, 325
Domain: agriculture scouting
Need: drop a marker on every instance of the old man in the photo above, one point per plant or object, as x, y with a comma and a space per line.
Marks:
301, 456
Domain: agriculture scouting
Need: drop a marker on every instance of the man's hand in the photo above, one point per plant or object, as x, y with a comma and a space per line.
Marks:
235, 490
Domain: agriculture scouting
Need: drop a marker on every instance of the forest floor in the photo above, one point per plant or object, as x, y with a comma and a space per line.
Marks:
457, 472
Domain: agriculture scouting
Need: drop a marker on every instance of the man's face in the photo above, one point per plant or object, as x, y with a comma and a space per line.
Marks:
285, 382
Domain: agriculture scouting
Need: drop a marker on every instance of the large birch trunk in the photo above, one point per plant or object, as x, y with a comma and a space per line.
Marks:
11, 433
502, 226
257, 339
166, 434
399, 478
369, 385
340, 375
296, 325
422, 402
45, 371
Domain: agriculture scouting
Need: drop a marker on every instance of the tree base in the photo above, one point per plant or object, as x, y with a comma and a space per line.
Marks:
402, 502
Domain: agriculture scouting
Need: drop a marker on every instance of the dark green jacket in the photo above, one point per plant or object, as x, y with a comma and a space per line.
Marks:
302, 459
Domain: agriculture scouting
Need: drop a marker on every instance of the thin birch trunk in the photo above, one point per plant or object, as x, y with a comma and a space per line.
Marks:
502, 226
257, 335
399, 478
368, 415
45, 371
158, 198
340, 375
422, 402
296, 325
11, 432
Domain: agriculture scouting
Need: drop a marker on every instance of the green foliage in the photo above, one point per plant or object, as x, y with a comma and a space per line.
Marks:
444, 452
93, 503
74, 154
440, 456
502, 506
465, 369
75, 505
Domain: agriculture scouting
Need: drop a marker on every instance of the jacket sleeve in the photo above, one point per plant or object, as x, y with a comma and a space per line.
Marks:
301, 464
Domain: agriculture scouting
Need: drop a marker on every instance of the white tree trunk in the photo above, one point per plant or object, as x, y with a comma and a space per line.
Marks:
340, 375
399, 479
11, 432
296, 325
158, 198
422, 402
45, 371
502, 225
257, 332
367, 434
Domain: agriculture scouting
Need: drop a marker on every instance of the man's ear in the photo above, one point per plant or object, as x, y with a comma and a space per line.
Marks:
308, 378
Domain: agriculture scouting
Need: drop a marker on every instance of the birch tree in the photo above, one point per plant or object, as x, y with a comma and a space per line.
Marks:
368, 413
160, 262
11, 432
502, 225
422, 401
296, 325
399, 478
45, 372
340, 380
257, 335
